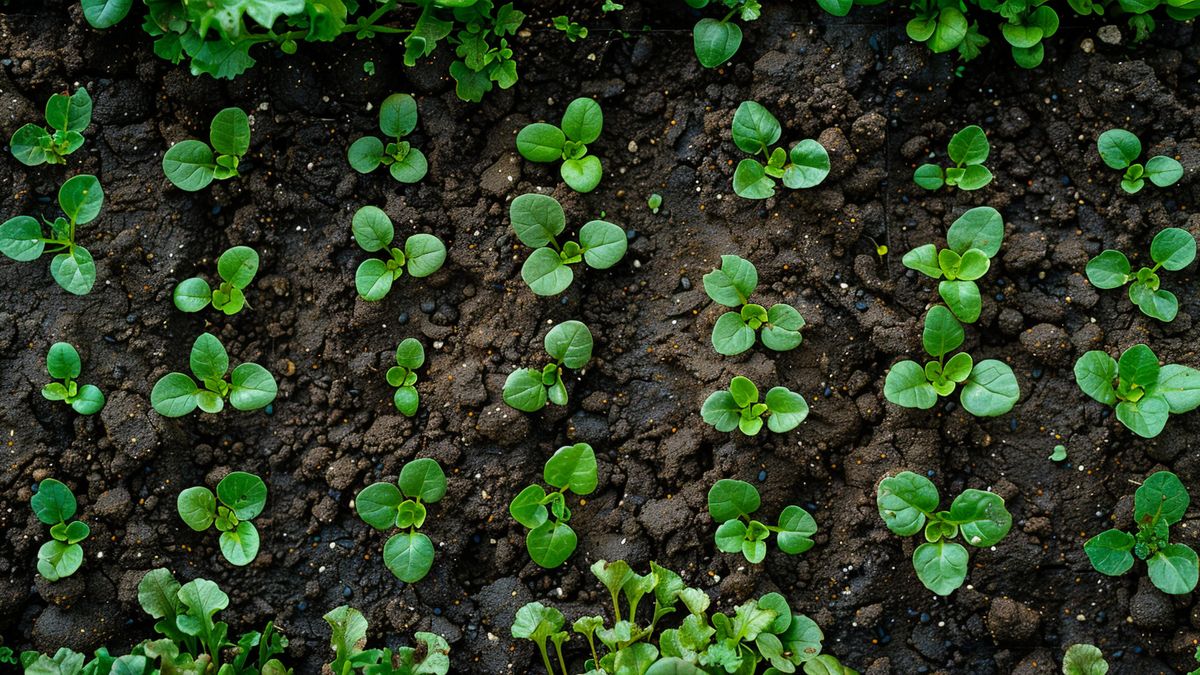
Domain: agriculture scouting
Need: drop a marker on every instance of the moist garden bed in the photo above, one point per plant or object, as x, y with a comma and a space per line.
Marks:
878, 103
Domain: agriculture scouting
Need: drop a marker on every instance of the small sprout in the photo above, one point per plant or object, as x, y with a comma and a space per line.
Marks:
1120, 149
755, 130
537, 220
384, 506
1059, 454
732, 502
1158, 504
716, 41
908, 504
551, 541
573, 30
731, 285
581, 126
1172, 249
240, 498
410, 355
610, 6
880, 249
739, 408
23, 239
654, 202
369, 68
422, 255
67, 117
529, 389
249, 386
1144, 393
968, 149
972, 241
192, 165
1025, 30
989, 387
350, 655
1084, 659
236, 267
397, 119
55, 505
63, 364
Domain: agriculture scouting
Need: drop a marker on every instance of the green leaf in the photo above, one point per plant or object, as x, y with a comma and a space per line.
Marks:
1084, 659
990, 390
424, 479
929, 176
536, 622
743, 390
410, 354
238, 266
536, 219
348, 630
81, 198
424, 254
201, 599
541, 142
974, 177
527, 507
979, 228
209, 360
1118, 148
1173, 248
192, 295
750, 180
523, 390
158, 595
924, 259
958, 368
57, 560
1020, 35
1173, 569
89, 400
943, 333
715, 42
1138, 365
907, 386
1110, 269
949, 31
583, 120
240, 545
1095, 373
1109, 552
545, 273
571, 343
754, 129
572, 467
1180, 386
941, 566
731, 335
582, 175
53, 503
62, 361
377, 503
604, 244
796, 528
733, 282
1164, 171
970, 145
721, 411
21, 239
252, 387
244, 493
550, 544
75, 271
364, 155
105, 13
409, 556
1161, 497
981, 517
372, 228
189, 165
904, 501
673, 666
787, 409
962, 297
373, 280
28, 145
1159, 304
730, 536
782, 330
730, 499
1146, 417
197, 507
69, 113
230, 132
398, 115
174, 395
411, 169
809, 165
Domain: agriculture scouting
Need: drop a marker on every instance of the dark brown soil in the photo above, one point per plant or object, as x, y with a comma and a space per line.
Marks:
876, 101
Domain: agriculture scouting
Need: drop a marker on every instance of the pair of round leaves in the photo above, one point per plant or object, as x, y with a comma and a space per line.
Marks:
731, 285
236, 267
968, 149
54, 504
754, 131
21, 238
244, 495
550, 542
1120, 149
739, 408
383, 506
250, 386
397, 119
537, 220
410, 355
62, 362
972, 241
192, 164
423, 254
1145, 394
941, 30
1026, 37
569, 344
581, 124
732, 502
67, 116
1171, 249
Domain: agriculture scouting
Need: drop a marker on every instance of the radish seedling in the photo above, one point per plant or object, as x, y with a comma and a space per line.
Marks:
67, 116
192, 165
422, 255
1158, 504
654, 202
989, 387
908, 504
529, 389
1143, 393
731, 285
551, 541
732, 503
350, 655
1120, 149
968, 149
755, 130
23, 239
236, 267
1172, 249
715, 41
397, 119
63, 364
573, 30
1084, 659
240, 498
537, 220
972, 241
739, 408
55, 505
545, 143
384, 506
410, 355
249, 386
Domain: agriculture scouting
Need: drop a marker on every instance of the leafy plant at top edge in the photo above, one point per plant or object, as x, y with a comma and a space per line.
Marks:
569, 344
755, 130
191, 165
972, 241
63, 364
397, 119
581, 126
1120, 149
23, 238
422, 255
407, 554
551, 540
1143, 393
1172, 249
67, 116
348, 639
715, 41
731, 285
1084, 659
240, 498
54, 504
538, 220
968, 149
236, 267
732, 503
739, 408
249, 386
410, 355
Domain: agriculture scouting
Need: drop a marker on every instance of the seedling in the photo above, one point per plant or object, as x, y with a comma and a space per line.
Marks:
22, 238
546, 143
350, 655
654, 202
192, 165
1120, 149
573, 30
731, 285
972, 241
968, 149
383, 506
755, 130
1172, 249
716, 41
236, 267
739, 408
569, 344
240, 498
550, 542
249, 386
537, 220
1158, 504
397, 119
1024, 31
732, 502
63, 364
908, 505
1144, 393
410, 355
67, 116
1084, 659
989, 387
55, 505
1059, 454
422, 255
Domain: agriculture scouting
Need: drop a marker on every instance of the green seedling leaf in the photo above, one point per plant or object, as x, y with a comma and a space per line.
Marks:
905, 501
1173, 248
929, 177
990, 390
365, 154
943, 333
570, 343
1161, 497
372, 229
424, 254
582, 175
941, 566
240, 545
809, 165
528, 507
192, 295
1110, 269
979, 228
409, 556
750, 181
1118, 148
81, 198
573, 468
53, 503
730, 499
62, 361
782, 330
969, 146
424, 479
197, 506
103, 14
244, 493
796, 528
732, 283
786, 409
377, 505
550, 544
536, 219
1095, 373
1180, 386
229, 132
1059, 454
906, 385
604, 244
981, 516
1163, 171
1084, 659
583, 121
1174, 569
189, 165
524, 390
541, 142
963, 299
398, 115
755, 129
715, 42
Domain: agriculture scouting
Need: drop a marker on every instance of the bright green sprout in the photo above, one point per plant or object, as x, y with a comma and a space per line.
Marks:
23, 239
410, 355
573, 30
1084, 659
1120, 150
1143, 393
1059, 454
397, 119
63, 364
551, 540
968, 149
236, 267
731, 285
67, 117
55, 505
715, 41
240, 498
581, 126
350, 655
654, 202
739, 408
538, 220
529, 389
732, 503
972, 241
422, 255
754, 131
249, 386
384, 506
1172, 249
192, 165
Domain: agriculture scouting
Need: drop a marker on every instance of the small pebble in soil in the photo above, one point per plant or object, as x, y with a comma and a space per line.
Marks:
685, 283
437, 611
110, 339
563, 301
131, 318
860, 306
270, 409
346, 592
631, 234
1066, 181
216, 209
827, 392
402, 319
762, 476
302, 606
428, 306
1012, 424
999, 297
1037, 373
951, 406
931, 473
925, 618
